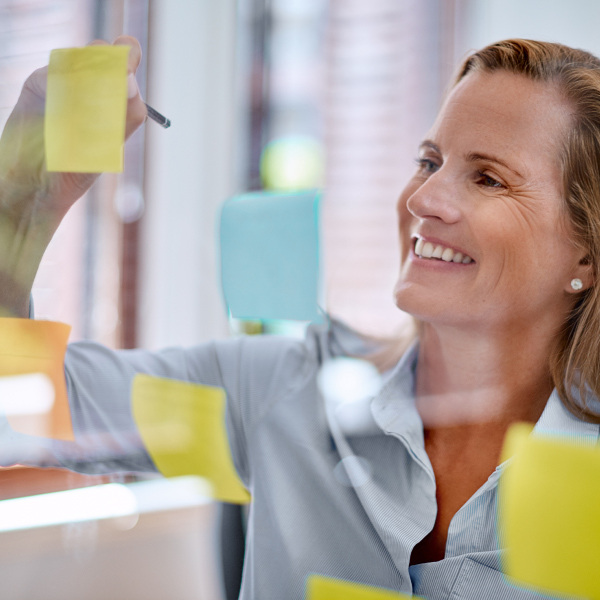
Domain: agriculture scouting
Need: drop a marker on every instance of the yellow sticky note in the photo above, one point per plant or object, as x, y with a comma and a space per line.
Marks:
183, 428
86, 107
550, 514
38, 347
329, 588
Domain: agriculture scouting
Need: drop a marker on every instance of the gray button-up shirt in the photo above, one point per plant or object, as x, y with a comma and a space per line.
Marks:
349, 504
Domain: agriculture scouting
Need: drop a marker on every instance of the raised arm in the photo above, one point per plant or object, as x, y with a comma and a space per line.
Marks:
33, 201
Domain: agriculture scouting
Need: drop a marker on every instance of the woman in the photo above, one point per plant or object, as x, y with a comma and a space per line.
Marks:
500, 233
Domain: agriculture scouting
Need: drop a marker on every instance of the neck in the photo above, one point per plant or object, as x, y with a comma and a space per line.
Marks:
467, 377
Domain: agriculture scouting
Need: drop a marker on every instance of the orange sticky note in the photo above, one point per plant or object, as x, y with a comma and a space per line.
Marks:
549, 514
183, 428
329, 588
37, 347
86, 108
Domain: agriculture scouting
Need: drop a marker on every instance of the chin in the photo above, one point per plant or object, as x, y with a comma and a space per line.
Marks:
408, 299
421, 304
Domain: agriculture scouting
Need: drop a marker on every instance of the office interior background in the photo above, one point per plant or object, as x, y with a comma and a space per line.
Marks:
340, 91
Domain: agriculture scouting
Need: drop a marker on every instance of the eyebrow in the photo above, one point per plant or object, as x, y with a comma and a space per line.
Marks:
473, 157
429, 144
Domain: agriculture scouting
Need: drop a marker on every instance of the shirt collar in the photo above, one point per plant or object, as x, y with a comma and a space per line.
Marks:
395, 412
394, 408
556, 420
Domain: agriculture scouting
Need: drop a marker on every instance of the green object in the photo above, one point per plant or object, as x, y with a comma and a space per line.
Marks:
292, 163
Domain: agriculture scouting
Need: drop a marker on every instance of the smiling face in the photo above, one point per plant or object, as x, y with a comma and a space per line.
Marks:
485, 239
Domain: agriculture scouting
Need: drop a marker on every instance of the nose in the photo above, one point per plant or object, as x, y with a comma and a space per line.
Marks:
436, 198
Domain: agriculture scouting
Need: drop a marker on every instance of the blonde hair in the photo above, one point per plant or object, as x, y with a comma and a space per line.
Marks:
575, 360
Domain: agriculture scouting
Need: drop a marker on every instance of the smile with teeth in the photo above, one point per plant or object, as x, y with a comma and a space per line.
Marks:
425, 249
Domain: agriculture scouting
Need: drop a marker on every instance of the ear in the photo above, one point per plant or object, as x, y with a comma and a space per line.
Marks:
585, 272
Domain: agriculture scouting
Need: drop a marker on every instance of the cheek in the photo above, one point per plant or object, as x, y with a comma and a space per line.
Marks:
530, 256
510, 248
544, 240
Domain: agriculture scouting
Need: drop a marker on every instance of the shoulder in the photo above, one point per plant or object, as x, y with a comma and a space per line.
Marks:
335, 339
320, 343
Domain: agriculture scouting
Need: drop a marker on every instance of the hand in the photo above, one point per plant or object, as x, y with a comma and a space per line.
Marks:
33, 201
22, 164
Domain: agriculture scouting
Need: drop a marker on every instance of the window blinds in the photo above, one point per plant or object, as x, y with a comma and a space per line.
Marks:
386, 71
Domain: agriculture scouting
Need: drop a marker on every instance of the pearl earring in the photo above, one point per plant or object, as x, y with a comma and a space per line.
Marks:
576, 284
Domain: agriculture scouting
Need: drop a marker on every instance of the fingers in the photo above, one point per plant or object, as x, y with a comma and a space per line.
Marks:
36, 83
33, 95
136, 114
136, 109
135, 52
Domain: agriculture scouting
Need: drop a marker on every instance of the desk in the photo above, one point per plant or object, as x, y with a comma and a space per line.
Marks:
164, 549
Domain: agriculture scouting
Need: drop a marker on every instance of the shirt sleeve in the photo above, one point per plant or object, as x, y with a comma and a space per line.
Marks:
253, 371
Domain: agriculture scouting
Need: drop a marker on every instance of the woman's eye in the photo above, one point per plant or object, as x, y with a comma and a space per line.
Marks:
426, 165
487, 181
